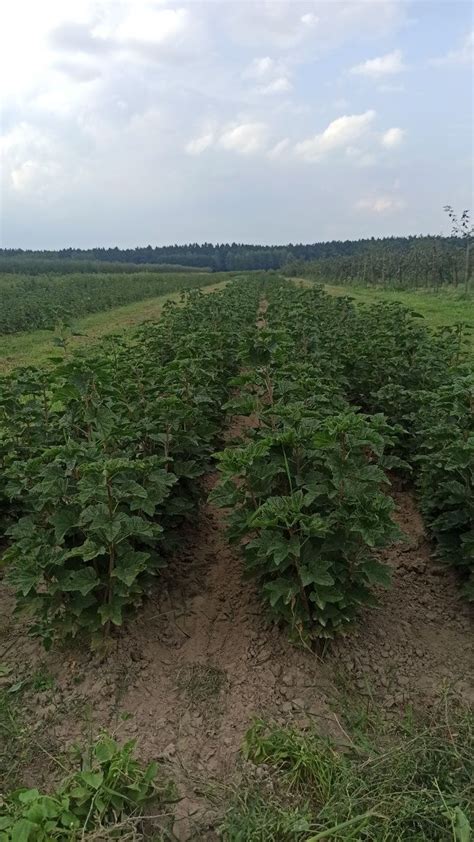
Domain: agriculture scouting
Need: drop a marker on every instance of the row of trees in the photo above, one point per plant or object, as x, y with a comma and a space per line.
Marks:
424, 264
421, 262
235, 256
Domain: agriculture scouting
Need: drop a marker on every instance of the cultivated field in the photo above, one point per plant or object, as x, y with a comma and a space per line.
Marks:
30, 302
240, 536
442, 309
33, 347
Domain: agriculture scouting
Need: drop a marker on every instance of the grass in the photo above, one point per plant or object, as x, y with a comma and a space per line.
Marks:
440, 309
412, 781
35, 347
201, 682
16, 749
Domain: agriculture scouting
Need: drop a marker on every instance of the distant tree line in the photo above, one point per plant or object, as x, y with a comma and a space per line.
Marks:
402, 261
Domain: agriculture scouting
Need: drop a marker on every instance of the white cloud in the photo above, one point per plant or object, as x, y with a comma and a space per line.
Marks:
34, 177
313, 26
272, 76
244, 138
386, 65
381, 204
32, 164
280, 85
260, 68
341, 132
309, 19
463, 55
277, 151
152, 24
151, 98
200, 144
393, 137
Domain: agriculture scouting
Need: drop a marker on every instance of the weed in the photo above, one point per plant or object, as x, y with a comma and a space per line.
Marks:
15, 747
201, 682
305, 763
414, 784
260, 819
109, 787
42, 681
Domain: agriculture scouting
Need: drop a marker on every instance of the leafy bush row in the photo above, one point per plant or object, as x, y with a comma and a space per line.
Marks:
424, 386
445, 465
28, 302
101, 459
389, 361
339, 395
306, 492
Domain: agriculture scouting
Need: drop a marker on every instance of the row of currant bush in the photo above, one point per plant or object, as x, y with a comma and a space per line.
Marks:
101, 455
390, 362
31, 302
305, 490
424, 385
338, 396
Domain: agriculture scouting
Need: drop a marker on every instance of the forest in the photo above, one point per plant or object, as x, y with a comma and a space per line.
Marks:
418, 260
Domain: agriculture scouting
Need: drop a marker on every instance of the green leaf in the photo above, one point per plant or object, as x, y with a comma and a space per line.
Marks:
69, 820
26, 796
23, 831
63, 520
88, 550
129, 565
377, 573
462, 826
279, 590
93, 779
111, 612
315, 575
150, 772
83, 580
105, 749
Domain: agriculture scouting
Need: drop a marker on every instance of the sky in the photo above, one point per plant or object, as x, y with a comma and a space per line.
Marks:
135, 122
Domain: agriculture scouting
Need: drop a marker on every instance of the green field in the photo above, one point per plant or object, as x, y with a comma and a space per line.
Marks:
441, 309
34, 347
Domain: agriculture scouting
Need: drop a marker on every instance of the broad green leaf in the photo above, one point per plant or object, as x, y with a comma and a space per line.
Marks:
112, 612
93, 779
23, 831
105, 749
64, 519
83, 580
377, 573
